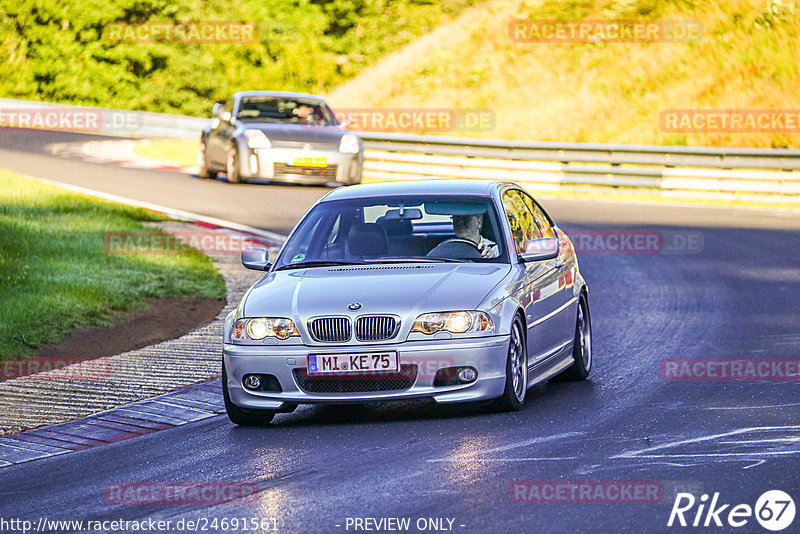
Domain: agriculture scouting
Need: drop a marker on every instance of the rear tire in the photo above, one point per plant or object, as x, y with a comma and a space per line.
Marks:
516, 371
239, 416
581, 347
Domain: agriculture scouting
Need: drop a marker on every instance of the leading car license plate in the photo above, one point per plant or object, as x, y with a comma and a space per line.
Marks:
352, 363
310, 162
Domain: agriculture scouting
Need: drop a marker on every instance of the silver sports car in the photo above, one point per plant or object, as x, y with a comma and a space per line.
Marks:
271, 135
452, 290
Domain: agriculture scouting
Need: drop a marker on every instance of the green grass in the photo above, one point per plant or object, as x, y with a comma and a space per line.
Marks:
56, 276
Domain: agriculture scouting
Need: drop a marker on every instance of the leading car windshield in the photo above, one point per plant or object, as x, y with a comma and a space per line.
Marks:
286, 110
378, 230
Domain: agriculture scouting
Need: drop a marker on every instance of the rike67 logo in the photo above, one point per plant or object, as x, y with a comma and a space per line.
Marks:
774, 510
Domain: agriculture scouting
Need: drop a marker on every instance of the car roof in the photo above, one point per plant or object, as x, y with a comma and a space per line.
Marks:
278, 94
421, 187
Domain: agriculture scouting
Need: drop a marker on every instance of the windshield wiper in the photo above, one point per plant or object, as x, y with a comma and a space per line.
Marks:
415, 259
305, 264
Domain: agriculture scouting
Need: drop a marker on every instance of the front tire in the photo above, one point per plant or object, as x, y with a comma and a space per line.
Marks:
516, 371
241, 417
203, 171
232, 167
581, 347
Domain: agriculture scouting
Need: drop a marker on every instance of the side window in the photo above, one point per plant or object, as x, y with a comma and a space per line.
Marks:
520, 220
539, 218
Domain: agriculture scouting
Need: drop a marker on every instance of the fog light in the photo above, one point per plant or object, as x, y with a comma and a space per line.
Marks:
252, 381
467, 374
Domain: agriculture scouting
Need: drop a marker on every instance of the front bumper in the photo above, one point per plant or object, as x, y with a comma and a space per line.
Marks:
487, 355
277, 163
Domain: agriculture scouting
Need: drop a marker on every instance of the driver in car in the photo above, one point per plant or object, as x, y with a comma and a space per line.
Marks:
469, 227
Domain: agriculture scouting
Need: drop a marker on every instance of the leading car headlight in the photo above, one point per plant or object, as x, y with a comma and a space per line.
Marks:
349, 144
456, 322
257, 139
261, 327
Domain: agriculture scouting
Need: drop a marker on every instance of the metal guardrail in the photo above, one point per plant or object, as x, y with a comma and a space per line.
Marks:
667, 156
765, 174
720, 172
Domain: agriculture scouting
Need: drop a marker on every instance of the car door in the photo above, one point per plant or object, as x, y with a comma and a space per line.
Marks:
560, 322
539, 281
221, 131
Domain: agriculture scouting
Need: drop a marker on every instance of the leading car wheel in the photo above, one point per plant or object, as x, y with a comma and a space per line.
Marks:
203, 170
239, 416
232, 167
582, 345
516, 371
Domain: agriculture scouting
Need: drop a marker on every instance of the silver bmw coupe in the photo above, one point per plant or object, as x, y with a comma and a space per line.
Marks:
454, 290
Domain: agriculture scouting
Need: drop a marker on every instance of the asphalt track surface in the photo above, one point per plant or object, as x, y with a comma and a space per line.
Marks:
319, 466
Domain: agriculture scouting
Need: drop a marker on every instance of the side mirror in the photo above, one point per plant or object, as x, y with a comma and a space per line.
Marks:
543, 248
219, 111
256, 258
345, 123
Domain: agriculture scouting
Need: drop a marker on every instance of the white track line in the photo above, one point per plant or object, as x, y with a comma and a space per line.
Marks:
171, 212
646, 453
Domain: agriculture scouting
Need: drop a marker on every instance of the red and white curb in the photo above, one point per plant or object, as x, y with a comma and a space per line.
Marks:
118, 153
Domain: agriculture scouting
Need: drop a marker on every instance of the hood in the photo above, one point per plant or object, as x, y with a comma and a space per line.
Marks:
296, 133
406, 289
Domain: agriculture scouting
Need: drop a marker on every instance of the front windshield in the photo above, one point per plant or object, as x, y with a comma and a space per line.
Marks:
375, 230
286, 110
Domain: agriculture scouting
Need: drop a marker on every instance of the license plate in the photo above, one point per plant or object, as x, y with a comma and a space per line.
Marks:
310, 162
352, 363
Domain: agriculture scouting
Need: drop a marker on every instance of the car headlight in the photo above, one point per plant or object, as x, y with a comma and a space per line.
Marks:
261, 327
456, 322
257, 139
349, 144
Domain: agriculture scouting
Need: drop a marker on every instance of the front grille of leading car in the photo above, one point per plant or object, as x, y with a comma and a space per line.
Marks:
322, 172
363, 382
376, 327
330, 329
